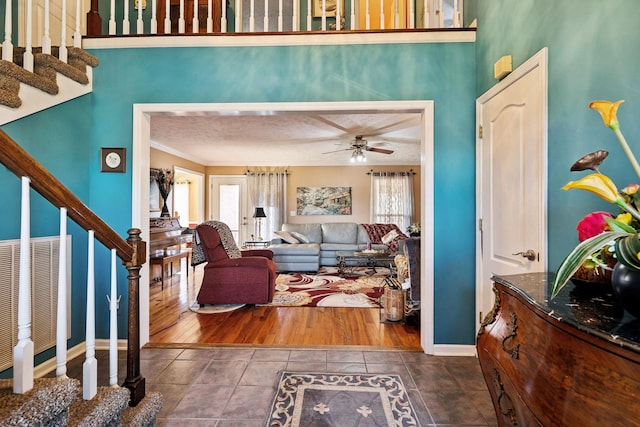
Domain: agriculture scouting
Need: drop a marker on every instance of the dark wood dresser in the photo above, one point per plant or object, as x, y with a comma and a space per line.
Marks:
572, 361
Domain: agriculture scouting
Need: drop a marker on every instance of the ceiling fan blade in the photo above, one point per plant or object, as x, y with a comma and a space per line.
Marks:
336, 151
378, 150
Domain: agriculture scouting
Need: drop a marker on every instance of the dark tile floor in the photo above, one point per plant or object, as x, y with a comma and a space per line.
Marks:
234, 386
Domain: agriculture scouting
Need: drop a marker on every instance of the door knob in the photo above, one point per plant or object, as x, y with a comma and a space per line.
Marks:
530, 254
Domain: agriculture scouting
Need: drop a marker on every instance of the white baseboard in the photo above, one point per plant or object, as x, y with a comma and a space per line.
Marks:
50, 365
454, 350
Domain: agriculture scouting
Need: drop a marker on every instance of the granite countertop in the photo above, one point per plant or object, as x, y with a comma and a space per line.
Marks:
588, 307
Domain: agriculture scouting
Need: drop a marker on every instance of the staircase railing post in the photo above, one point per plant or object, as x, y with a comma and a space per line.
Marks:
135, 382
94, 21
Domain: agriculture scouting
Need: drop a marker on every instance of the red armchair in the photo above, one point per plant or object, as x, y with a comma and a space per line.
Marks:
232, 276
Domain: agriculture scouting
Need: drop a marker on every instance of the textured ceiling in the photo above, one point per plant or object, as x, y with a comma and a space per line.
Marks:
286, 139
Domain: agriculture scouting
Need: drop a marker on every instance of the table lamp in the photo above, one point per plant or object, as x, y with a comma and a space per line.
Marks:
258, 215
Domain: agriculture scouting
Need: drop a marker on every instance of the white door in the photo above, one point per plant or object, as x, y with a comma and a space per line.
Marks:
228, 203
511, 177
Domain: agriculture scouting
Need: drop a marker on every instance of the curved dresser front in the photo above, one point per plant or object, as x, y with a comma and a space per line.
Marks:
572, 361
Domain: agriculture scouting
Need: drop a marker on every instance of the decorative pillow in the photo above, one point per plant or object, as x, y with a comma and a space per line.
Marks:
388, 238
301, 237
287, 237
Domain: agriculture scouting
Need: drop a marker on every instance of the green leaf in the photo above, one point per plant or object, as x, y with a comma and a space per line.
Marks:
616, 225
579, 254
627, 250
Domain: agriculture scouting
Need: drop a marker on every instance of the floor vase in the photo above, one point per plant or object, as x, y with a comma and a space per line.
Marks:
625, 283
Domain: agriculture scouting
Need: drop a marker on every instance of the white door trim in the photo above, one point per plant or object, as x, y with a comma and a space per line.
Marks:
539, 60
140, 188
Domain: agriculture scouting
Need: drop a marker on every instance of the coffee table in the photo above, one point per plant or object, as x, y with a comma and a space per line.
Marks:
350, 259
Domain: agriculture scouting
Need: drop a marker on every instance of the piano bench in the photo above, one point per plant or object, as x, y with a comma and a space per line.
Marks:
166, 262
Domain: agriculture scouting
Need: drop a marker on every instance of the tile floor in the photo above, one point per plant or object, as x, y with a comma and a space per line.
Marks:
234, 386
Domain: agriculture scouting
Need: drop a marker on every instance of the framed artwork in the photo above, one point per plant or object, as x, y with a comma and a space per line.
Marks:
323, 200
154, 193
316, 8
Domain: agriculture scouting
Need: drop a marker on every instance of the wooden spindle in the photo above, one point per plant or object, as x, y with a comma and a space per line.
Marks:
62, 50
456, 14
7, 46
367, 19
139, 22
195, 22
23, 351
153, 24
181, 20
323, 25
125, 20
27, 58
238, 17
381, 26
265, 21
252, 18
61, 309
77, 37
353, 15
167, 17
280, 16
112, 18
90, 365
46, 37
294, 18
412, 15
338, 15
440, 13
309, 15
425, 13
223, 19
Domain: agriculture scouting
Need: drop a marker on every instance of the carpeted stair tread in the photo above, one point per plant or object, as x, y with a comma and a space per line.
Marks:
103, 410
46, 404
144, 413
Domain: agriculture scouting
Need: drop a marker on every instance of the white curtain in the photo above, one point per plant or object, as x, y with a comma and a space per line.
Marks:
392, 198
268, 190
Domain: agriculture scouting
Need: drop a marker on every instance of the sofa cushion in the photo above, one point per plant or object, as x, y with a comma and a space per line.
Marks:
340, 232
286, 236
313, 232
301, 237
297, 249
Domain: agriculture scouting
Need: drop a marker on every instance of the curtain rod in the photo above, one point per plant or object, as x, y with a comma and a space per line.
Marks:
286, 172
371, 172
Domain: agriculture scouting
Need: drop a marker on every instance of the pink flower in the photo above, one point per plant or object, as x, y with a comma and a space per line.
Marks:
592, 225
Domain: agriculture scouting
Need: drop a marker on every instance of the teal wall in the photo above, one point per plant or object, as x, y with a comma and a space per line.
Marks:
444, 73
593, 48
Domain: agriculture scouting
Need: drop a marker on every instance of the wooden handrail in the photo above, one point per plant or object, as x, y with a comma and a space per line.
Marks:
21, 163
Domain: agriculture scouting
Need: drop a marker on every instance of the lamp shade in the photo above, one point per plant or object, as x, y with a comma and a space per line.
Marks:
259, 213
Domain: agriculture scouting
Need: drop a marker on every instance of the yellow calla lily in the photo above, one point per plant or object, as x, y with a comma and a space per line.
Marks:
624, 218
597, 183
607, 110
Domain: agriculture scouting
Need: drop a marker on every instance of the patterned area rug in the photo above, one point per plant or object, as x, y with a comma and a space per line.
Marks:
338, 400
359, 288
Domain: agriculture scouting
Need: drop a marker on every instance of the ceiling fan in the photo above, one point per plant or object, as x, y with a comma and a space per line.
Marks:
359, 145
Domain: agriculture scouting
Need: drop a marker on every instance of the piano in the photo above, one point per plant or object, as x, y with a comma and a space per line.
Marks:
167, 240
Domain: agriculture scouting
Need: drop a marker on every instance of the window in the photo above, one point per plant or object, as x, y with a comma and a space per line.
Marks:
392, 198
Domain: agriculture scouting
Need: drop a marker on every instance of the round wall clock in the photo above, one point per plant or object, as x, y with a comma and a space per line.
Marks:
112, 159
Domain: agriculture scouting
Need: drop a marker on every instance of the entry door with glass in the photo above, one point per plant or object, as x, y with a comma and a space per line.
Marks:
228, 204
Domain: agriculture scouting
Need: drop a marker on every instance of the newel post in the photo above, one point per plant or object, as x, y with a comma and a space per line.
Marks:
94, 21
135, 381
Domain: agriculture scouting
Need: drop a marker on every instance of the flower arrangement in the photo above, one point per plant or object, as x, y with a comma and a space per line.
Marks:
414, 229
600, 232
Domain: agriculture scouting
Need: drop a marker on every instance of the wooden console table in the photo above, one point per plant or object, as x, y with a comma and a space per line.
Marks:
166, 262
572, 361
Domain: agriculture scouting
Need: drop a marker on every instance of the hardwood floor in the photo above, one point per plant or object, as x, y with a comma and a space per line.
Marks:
171, 322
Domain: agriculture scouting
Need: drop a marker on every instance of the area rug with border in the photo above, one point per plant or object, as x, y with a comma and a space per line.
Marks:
338, 400
360, 287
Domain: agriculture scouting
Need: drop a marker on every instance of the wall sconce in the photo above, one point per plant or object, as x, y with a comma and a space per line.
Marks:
258, 215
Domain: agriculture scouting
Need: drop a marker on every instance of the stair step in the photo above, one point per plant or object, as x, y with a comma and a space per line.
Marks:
103, 410
144, 414
46, 404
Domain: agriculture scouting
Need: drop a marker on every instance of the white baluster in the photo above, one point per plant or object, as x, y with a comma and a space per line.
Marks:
28, 52
280, 17
167, 17
113, 323
456, 14
294, 18
62, 51
425, 13
265, 21
23, 351
440, 13
396, 15
353, 14
223, 23
125, 19
46, 37
61, 319
381, 15
238, 17
7, 46
181, 21
154, 15
412, 15
252, 19
367, 19
309, 15
323, 26
195, 22
112, 18
77, 37
139, 22
90, 365
337, 15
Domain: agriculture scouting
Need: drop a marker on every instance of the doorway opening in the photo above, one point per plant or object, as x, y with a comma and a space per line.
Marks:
142, 114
